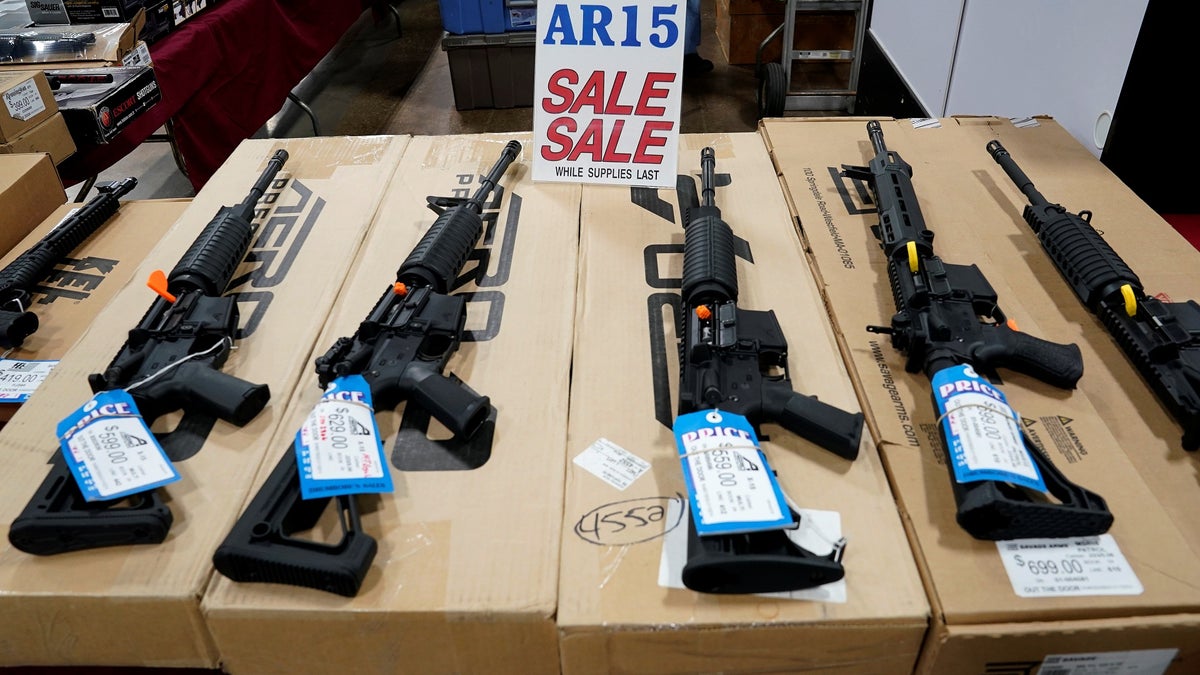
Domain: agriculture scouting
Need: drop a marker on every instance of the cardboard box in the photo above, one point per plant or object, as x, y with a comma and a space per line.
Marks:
30, 190
465, 577
183, 10
742, 25
97, 112
101, 11
139, 605
981, 624
75, 292
27, 102
160, 20
613, 615
51, 137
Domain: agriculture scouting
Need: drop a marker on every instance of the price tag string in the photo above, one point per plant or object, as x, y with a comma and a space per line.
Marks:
736, 446
837, 546
225, 341
960, 408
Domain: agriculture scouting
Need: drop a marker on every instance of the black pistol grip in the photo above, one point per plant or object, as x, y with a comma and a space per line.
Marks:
452, 403
15, 327
828, 426
436, 260
195, 385
58, 519
1055, 364
260, 547
758, 562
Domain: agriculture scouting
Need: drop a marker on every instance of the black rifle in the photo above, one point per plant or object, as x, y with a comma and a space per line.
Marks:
948, 315
15, 46
171, 361
21, 276
735, 360
401, 350
1161, 338
60, 78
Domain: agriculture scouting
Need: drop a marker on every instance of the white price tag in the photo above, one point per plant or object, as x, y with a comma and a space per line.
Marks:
24, 101
1137, 662
338, 449
990, 438
818, 532
340, 436
110, 450
612, 464
730, 484
1050, 568
119, 458
19, 379
982, 436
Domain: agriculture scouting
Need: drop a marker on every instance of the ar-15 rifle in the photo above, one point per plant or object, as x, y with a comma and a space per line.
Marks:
170, 362
400, 350
948, 315
1161, 338
15, 46
22, 275
727, 359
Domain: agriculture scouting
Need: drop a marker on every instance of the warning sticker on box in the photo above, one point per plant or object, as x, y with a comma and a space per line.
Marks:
19, 379
1137, 662
612, 464
1050, 568
24, 101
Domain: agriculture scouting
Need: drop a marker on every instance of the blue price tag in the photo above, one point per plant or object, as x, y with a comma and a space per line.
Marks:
338, 450
983, 434
110, 450
730, 486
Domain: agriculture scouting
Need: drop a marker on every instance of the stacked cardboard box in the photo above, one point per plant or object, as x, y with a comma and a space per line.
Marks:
29, 118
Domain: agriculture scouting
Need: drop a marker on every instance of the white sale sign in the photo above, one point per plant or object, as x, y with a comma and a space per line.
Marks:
607, 91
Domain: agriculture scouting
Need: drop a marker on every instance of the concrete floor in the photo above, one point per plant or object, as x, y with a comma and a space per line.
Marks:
375, 81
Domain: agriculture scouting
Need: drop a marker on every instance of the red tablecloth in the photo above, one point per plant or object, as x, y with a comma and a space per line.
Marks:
223, 74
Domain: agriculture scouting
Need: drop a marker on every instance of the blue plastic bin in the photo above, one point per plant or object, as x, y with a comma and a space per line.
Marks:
463, 17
